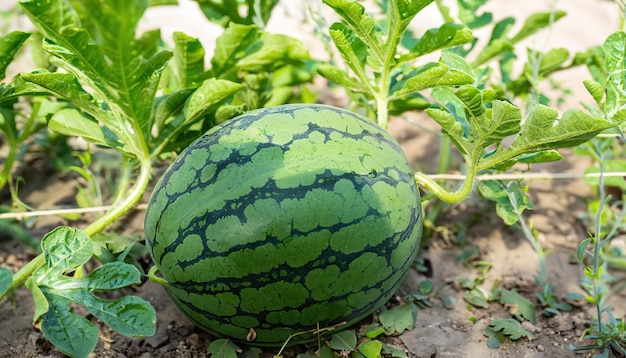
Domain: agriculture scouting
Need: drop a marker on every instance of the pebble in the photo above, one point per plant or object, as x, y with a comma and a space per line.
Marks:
540, 348
529, 327
194, 340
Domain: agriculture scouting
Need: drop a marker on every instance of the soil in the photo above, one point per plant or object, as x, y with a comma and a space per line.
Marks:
559, 215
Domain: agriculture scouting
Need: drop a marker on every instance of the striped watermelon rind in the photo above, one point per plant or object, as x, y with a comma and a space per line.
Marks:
283, 220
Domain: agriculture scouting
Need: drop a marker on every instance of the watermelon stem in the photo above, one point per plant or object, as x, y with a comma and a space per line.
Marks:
152, 276
451, 197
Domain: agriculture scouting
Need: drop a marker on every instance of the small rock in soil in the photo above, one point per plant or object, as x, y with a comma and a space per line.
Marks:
540, 348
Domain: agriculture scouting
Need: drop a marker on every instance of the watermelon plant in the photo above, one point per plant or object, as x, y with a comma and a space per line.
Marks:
281, 223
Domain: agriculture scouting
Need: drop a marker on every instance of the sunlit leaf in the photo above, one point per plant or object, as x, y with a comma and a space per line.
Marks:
447, 35
536, 22
71, 123
210, 92
188, 61
272, 50
9, 46
66, 248
371, 349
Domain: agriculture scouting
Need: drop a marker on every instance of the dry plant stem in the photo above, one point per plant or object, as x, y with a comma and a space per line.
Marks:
97, 226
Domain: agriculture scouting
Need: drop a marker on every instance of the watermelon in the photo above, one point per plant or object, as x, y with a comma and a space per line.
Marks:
283, 220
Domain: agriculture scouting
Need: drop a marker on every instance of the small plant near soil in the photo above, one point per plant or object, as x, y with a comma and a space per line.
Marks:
607, 333
511, 201
125, 93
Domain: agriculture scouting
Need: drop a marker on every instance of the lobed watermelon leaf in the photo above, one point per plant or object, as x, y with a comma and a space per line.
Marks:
509, 327
223, 348
65, 251
398, 319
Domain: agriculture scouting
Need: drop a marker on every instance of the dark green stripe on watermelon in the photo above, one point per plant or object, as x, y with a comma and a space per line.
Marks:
285, 218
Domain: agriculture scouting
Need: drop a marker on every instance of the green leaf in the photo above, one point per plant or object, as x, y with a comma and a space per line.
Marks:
9, 46
582, 248
511, 328
131, 316
6, 279
543, 130
476, 297
270, 51
70, 333
210, 93
448, 35
595, 90
371, 349
251, 352
223, 348
70, 122
40, 300
398, 319
502, 121
494, 49
429, 76
225, 12
354, 15
409, 8
187, 61
495, 338
518, 305
615, 54
373, 331
544, 156
123, 70
67, 87
511, 200
351, 48
170, 105
393, 352
536, 22
231, 46
66, 248
309, 354
344, 341
332, 73
113, 275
